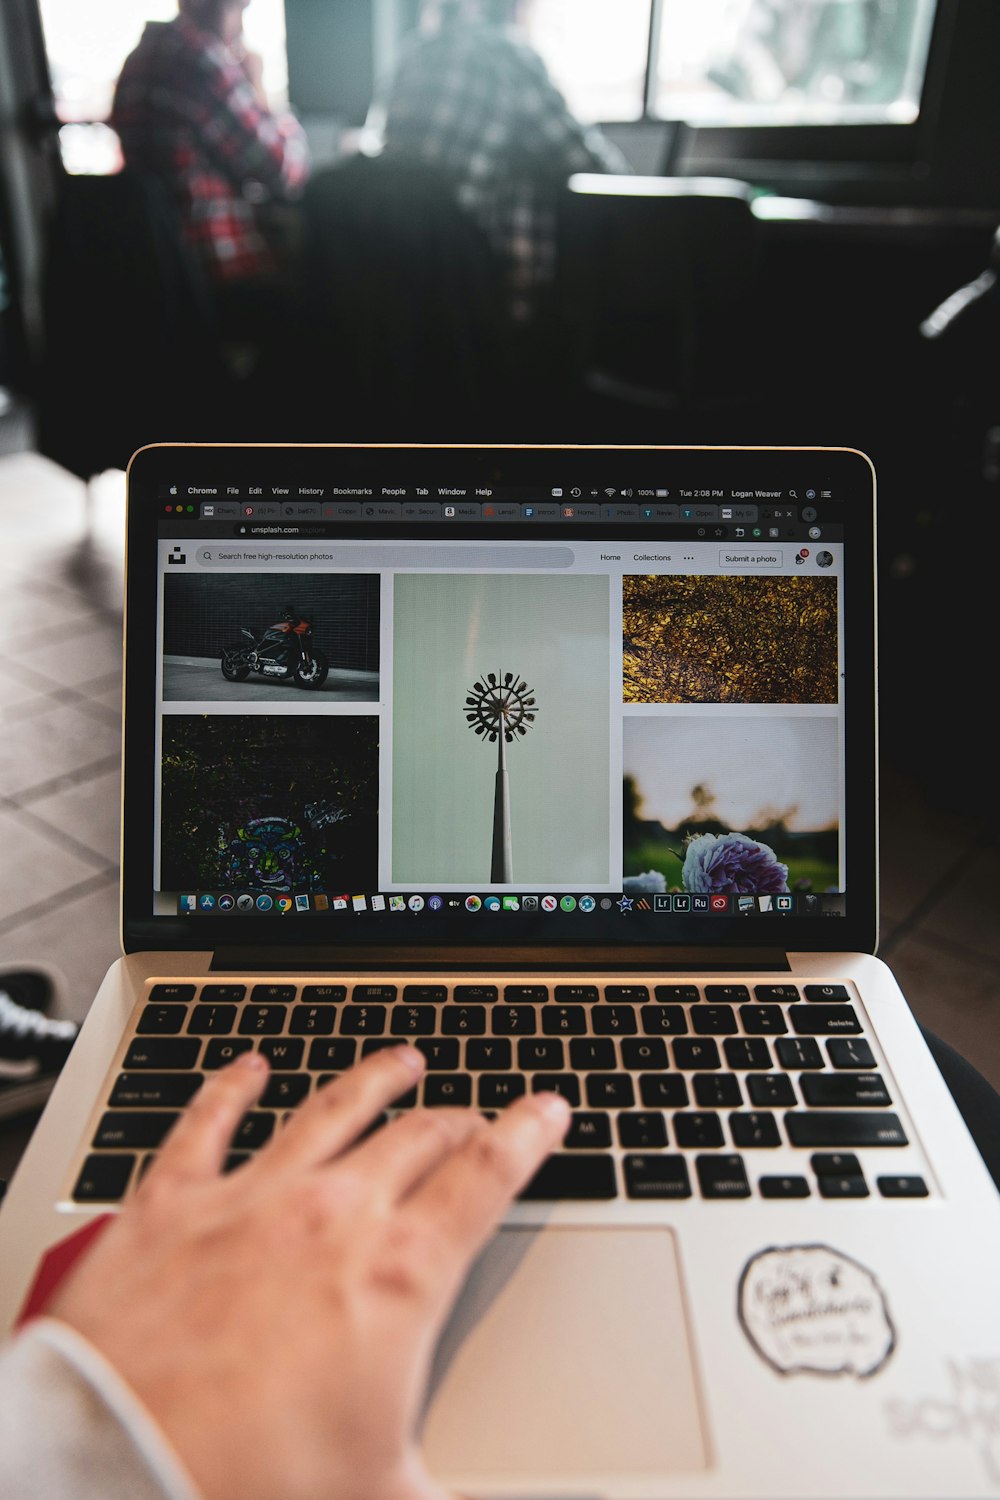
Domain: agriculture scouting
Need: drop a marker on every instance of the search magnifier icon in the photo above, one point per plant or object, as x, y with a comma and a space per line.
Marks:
794, 494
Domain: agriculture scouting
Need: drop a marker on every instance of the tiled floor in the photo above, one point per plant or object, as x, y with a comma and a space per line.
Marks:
60, 623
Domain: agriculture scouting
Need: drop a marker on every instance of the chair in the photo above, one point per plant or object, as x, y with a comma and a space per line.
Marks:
657, 295
400, 308
130, 351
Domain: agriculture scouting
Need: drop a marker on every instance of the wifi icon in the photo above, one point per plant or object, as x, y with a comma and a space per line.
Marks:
609, 492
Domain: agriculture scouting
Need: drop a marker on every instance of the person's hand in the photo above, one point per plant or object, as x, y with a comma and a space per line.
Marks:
279, 1321
253, 66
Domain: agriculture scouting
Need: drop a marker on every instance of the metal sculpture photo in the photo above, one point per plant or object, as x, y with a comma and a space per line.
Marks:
499, 708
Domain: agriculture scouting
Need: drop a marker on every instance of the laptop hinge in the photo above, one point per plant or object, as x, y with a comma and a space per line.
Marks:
420, 960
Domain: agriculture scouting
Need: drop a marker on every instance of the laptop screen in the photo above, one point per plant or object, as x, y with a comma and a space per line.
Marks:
490, 697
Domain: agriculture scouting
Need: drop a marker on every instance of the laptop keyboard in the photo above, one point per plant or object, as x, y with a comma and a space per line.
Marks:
679, 1090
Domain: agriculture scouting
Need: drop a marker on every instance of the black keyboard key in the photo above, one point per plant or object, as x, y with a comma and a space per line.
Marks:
463, 1020
413, 1020
421, 994
497, 1089
273, 994
644, 1052
676, 994
835, 1164
697, 1130
825, 992
154, 1090
534, 1053
642, 1130
565, 1020
447, 1088
525, 994
610, 1091
222, 1050
784, 1187
776, 994
362, 1020
161, 1020
573, 1175
745, 1052
663, 1090
850, 1052
385, 994
235, 1159
514, 1020
770, 1090
754, 1128
588, 1128
763, 1020
692, 1054
180, 994
283, 1051
843, 1187
163, 1052
487, 1052
657, 1177
664, 1020
846, 1128
902, 1187
592, 1053
626, 994
727, 994
722, 1177
474, 994
441, 1052
212, 1020
820, 1020
713, 1020
255, 1129
614, 1020
379, 1044
717, 1090
127, 1128
285, 1090
312, 1020
333, 1055
577, 994
222, 994
567, 1084
103, 1179
324, 994
798, 1052
263, 1020
850, 1089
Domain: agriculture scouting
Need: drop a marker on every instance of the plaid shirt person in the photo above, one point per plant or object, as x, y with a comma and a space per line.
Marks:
475, 101
186, 111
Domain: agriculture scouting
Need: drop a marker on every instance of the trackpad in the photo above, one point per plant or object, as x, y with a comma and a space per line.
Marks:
567, 1359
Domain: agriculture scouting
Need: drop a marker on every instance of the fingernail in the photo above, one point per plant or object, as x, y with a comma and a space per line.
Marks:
413, 1058
253, 1061
552, 1104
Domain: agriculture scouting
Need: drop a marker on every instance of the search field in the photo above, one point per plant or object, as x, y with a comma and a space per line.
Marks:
343, 555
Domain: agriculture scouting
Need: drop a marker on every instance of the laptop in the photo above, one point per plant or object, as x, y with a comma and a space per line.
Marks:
561, 763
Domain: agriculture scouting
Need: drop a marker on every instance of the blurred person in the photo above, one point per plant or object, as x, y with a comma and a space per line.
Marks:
190, 109
267, 1332
472, 99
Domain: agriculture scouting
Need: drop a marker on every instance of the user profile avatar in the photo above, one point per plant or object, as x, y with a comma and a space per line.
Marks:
824, 559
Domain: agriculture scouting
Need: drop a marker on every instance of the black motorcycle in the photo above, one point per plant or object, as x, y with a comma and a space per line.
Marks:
277, 655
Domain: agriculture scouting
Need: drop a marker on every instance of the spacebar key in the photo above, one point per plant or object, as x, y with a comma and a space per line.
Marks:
577, 1176
844, 1128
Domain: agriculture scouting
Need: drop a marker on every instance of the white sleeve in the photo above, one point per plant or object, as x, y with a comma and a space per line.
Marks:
71, 1429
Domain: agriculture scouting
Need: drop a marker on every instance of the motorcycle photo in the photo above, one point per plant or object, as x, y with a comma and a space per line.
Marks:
284, 652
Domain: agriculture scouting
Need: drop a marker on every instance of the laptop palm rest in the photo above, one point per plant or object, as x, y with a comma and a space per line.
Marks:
566, 1359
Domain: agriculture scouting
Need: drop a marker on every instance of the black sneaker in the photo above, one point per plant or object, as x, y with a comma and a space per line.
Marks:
33, 1046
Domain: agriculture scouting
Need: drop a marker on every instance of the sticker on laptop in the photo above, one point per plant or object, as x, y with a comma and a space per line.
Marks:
810, 1309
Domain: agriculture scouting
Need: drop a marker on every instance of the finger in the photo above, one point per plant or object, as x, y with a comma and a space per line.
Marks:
470, 1192
399, 1155
199, 1142
337, 1114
